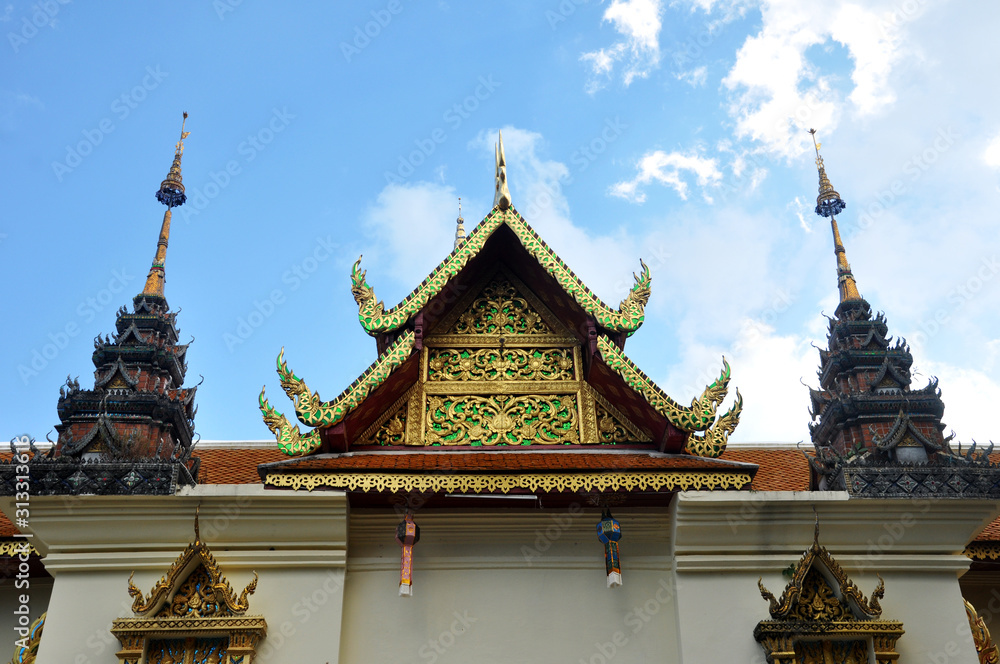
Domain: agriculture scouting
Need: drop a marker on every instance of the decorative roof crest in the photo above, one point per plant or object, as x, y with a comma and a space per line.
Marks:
501, 199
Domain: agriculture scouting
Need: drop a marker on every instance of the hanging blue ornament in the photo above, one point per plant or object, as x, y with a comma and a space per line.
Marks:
609, 531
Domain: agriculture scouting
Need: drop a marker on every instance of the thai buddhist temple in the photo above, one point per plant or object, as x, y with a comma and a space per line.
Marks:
502, 484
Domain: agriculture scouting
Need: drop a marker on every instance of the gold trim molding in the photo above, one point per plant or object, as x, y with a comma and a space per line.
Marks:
16, 548
505, 483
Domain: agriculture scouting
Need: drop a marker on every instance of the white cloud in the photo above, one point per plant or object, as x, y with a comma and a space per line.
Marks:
695, 77
964, 392
638, 21
404, 255
778, 92
802, 210
668, 169
991, 155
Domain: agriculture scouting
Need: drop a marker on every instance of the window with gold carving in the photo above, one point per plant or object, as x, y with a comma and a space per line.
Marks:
822, 617
191, 616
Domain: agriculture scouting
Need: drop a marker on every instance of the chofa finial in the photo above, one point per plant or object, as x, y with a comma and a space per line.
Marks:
501, 198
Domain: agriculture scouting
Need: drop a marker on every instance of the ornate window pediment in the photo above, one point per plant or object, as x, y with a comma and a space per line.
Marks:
822, 616
191, 616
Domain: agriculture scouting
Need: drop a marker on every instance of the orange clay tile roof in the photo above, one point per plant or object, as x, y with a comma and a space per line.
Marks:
234, 466
780, 470
7, 528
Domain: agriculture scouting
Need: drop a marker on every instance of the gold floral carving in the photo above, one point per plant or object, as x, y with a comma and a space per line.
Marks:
500, 309
502, 363
502, 420
613, 426
16, 548
390, 427
842, 652
504, 483
822, 615
191, 614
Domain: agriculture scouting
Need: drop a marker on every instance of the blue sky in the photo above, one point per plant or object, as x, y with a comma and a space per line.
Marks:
674, 132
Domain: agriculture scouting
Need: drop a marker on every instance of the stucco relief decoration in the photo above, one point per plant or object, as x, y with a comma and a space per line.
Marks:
822, 616
191, 616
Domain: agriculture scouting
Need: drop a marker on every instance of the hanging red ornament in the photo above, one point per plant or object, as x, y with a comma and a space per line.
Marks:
407, 534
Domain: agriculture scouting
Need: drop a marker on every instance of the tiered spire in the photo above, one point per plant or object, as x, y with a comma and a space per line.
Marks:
459, 226
138, 409
171, 194
828, 204
870, 426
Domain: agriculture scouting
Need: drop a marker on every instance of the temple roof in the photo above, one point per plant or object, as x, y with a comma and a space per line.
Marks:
500, 359
377, 320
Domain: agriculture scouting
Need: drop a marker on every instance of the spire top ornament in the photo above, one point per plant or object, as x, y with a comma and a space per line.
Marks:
171, 194
171, 191
828, 204
501, 199
459, 226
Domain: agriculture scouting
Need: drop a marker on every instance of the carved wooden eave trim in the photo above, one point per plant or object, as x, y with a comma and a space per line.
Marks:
491, 483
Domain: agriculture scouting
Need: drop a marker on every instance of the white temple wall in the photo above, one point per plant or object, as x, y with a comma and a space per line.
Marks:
509, 587
503, 585
724, 542
296, 542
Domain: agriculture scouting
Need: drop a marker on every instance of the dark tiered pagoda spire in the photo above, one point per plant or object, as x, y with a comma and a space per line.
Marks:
868, 424
138, 410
